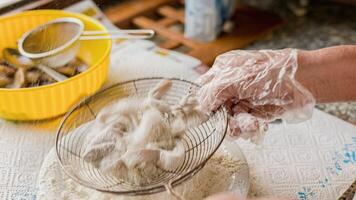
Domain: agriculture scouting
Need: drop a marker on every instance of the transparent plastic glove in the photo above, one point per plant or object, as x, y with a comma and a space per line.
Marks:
257, 87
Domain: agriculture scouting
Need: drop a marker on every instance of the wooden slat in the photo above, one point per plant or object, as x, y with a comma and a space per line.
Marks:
170, 44
170, 12
167, 21
126, 10
251, 24
144, 22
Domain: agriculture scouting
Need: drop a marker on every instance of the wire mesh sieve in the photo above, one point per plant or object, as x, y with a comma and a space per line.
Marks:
200, 142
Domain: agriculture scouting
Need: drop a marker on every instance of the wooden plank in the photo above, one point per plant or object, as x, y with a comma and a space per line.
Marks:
170, 12
252, 24
144, 22
167, 21
126, 10
170, 44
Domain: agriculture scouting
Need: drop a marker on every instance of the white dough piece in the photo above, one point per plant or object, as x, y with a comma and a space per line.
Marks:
136, 139
170, 160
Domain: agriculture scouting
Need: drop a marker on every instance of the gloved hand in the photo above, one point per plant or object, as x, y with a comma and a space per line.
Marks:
257, 87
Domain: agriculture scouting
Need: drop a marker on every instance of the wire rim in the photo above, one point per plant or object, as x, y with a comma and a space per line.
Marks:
150, 190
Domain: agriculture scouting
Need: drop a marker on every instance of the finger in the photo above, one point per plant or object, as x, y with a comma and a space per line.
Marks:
212, 95
246, 126
267, 112
242, 106
240, 123
205, 78
209, 75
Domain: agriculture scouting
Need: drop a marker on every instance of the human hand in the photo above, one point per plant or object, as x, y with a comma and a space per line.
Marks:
257, 87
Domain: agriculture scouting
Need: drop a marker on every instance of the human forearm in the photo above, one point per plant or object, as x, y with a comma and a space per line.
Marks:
329, 73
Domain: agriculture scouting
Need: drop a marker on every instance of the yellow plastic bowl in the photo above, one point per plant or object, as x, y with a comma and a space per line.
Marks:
55, 99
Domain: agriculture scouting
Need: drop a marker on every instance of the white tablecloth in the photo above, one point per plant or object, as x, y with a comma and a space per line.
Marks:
311, 160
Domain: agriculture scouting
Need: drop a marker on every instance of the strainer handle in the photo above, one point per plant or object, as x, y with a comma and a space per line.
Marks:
122, 34
52, 73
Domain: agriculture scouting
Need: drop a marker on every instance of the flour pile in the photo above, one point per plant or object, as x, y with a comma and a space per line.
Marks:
218, 175
135, 138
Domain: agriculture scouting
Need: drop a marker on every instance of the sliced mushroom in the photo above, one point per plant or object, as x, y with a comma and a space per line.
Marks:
45, 79
68, 70
18, 71
80, 65
4, 80
6, 70
33, 76
15, 59
19, 78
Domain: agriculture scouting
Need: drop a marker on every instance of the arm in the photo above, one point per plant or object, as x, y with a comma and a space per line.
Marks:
329, 73
257, 87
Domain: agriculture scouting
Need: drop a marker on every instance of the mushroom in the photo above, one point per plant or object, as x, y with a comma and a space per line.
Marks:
15, 59
19, 79
12, 61
45, 79
79, 64
4, 80
68, 70
33, 76
6, 70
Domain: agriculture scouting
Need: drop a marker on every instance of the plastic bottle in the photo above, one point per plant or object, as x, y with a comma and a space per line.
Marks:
204, 19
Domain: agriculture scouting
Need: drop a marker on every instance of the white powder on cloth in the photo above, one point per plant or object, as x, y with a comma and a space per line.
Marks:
135, 138
216, 176
130, 138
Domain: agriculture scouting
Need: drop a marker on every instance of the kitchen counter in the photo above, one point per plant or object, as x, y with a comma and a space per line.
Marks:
325, 24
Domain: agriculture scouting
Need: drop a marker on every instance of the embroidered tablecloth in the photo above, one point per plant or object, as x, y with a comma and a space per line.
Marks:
311, 160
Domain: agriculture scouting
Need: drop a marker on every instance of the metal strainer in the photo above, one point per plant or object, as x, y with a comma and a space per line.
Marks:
200, 142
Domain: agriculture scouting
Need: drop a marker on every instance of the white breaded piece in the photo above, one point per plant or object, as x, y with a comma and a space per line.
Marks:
171, 159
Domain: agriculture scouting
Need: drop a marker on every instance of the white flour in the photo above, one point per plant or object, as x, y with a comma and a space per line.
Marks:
216, 176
